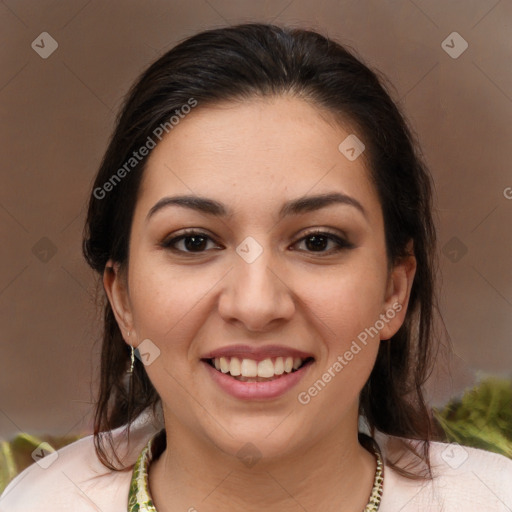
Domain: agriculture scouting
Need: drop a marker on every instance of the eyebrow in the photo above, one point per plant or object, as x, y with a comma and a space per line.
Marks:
292, 207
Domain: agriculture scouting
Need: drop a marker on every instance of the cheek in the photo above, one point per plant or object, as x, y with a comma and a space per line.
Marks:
345, 307
164, 299
344, 312
346, 302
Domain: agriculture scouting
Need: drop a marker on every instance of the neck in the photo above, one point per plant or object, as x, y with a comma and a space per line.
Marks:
335, 473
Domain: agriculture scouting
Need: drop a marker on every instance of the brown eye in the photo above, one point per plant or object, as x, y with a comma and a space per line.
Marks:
318, 241
189, 242
195, 243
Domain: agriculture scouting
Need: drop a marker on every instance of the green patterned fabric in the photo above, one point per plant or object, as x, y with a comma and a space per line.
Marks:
139, 497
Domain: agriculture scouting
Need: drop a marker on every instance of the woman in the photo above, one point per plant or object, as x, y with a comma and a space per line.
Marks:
263, 227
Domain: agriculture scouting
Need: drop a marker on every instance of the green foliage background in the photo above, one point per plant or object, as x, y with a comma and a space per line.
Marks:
482, 418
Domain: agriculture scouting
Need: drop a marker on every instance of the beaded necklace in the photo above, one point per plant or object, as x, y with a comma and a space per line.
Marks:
139, 497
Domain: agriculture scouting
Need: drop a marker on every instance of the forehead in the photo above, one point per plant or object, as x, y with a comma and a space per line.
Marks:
261, 151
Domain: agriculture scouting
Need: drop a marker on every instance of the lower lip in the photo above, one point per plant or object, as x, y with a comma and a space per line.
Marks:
257, 390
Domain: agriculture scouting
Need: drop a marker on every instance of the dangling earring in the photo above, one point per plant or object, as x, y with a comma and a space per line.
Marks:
132, 358
132, 361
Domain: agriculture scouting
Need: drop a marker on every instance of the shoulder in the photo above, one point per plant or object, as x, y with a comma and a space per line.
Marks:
480, 478
73, 478
465, 478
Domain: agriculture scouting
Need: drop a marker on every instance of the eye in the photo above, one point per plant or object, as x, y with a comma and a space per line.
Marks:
193, 242
197, 242
317, 241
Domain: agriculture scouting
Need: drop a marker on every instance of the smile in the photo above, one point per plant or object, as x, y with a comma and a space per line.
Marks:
250, 370
257, 380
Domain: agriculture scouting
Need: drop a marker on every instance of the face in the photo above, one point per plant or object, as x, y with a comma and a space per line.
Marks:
260, 271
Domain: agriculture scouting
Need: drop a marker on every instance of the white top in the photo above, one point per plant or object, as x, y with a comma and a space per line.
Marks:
466, 479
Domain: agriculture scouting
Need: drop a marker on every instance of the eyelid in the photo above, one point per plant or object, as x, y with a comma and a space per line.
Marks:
325, 231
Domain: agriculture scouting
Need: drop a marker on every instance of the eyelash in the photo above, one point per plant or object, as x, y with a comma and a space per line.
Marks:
342, 243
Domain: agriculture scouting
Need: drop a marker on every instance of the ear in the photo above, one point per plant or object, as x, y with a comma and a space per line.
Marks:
398, 292
116, 287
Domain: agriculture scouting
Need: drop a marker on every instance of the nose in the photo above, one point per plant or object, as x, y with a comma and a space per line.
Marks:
256, 294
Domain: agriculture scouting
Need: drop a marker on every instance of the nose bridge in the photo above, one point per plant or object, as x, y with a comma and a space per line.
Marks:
252, 275
254, 295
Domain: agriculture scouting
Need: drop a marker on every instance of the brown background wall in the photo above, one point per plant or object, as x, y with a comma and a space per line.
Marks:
58, 112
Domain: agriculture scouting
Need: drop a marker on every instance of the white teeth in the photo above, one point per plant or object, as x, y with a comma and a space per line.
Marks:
224, 365
267, 368
249, 368
235, 367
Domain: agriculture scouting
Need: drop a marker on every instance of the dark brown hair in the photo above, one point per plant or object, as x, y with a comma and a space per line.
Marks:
236, 64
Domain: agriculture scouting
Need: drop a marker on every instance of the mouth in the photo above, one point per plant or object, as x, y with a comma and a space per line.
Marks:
250, 370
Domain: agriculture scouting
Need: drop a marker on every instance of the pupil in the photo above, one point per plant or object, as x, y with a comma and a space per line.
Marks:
198, 242
316, 245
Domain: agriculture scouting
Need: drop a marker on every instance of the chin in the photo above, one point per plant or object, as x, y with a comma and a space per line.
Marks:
261, 441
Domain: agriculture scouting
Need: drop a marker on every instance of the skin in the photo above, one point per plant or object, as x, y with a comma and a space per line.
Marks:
253, 157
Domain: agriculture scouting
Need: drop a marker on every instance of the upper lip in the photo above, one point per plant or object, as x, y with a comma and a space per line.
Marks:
256, 353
